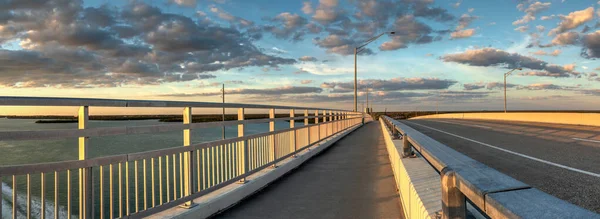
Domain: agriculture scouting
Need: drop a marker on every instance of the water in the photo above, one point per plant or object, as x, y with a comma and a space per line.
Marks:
40, 151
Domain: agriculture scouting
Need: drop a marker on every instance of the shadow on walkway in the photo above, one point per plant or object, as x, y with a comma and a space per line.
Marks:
349, 180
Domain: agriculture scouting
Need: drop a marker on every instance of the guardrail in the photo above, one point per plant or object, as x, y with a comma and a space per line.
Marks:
492, 192
139, 184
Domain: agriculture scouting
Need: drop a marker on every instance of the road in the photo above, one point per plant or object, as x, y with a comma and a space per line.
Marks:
562, 160
351, 179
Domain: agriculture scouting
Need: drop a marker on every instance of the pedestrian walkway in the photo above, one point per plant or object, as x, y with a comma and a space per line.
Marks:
352, 179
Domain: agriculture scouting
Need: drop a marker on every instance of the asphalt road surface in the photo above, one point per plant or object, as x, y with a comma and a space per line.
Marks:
562, 160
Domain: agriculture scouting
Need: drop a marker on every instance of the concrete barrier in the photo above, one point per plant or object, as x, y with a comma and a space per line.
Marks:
589, 119
417, 182
226, 197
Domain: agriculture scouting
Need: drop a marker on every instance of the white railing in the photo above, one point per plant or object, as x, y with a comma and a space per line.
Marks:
140, 184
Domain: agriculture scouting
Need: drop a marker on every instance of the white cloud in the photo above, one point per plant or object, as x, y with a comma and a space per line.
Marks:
462, 33
573, 20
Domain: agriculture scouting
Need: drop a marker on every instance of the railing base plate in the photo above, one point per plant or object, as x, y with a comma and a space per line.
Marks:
188, 205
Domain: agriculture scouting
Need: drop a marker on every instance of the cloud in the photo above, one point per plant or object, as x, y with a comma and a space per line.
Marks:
473, 86
457, 4
489, 86
543, 87
68, 45
573, 20
465, 20
531, 11
188, 3
556, 52
545, 74
545, 18
462, 33
591, 45
287, 26
545, 97
301, 71
306, 81
285, 90
407, 31
339, 45
526, 19
462, 95
540, 28
522, 29
232, 19
308, 59
568, 38
395, 84
488, 57
326, 13
307, 8
423, 9
322, 69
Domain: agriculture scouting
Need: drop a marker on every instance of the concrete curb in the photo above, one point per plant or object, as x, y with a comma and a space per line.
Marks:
417, 182
226, 197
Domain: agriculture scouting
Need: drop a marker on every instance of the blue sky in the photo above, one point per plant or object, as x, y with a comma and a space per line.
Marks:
447, 53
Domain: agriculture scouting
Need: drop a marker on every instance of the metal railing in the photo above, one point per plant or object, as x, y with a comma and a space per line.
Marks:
140, 184
492, 192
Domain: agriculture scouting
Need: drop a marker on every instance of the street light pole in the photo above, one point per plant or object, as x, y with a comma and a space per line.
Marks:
356, 51
355, 83
506, 75
223, 129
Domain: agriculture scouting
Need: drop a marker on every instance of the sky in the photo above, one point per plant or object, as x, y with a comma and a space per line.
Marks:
444, 54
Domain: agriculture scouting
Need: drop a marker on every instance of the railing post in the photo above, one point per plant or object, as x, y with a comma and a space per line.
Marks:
345, 122
272, 137
85, 174
395, 134
453, 201
293, 137
335, 123
243, 148
330, 125
188, 167
406, 150
307, 128
318, 126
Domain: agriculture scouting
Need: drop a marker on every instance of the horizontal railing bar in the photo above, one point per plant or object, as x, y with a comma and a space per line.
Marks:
128, 130
60, 166
55, 101
75, 164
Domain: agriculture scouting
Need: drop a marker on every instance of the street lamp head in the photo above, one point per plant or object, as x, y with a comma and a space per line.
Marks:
392, 33
519, 69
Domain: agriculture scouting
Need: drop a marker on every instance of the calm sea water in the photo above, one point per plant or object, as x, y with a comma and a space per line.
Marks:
40, 151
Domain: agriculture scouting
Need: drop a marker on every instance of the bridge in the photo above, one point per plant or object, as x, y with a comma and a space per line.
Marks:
325, 163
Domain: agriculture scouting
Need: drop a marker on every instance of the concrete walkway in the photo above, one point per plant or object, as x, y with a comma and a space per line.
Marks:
352, 179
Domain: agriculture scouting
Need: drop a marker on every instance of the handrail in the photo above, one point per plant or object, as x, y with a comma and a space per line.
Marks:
152, 181
59, 101
494, 193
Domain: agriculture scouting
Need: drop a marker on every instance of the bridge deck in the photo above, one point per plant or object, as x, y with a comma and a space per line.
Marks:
352, 179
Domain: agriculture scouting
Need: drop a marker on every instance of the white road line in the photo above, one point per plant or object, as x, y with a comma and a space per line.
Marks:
512, 152
583, 139
480, 126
